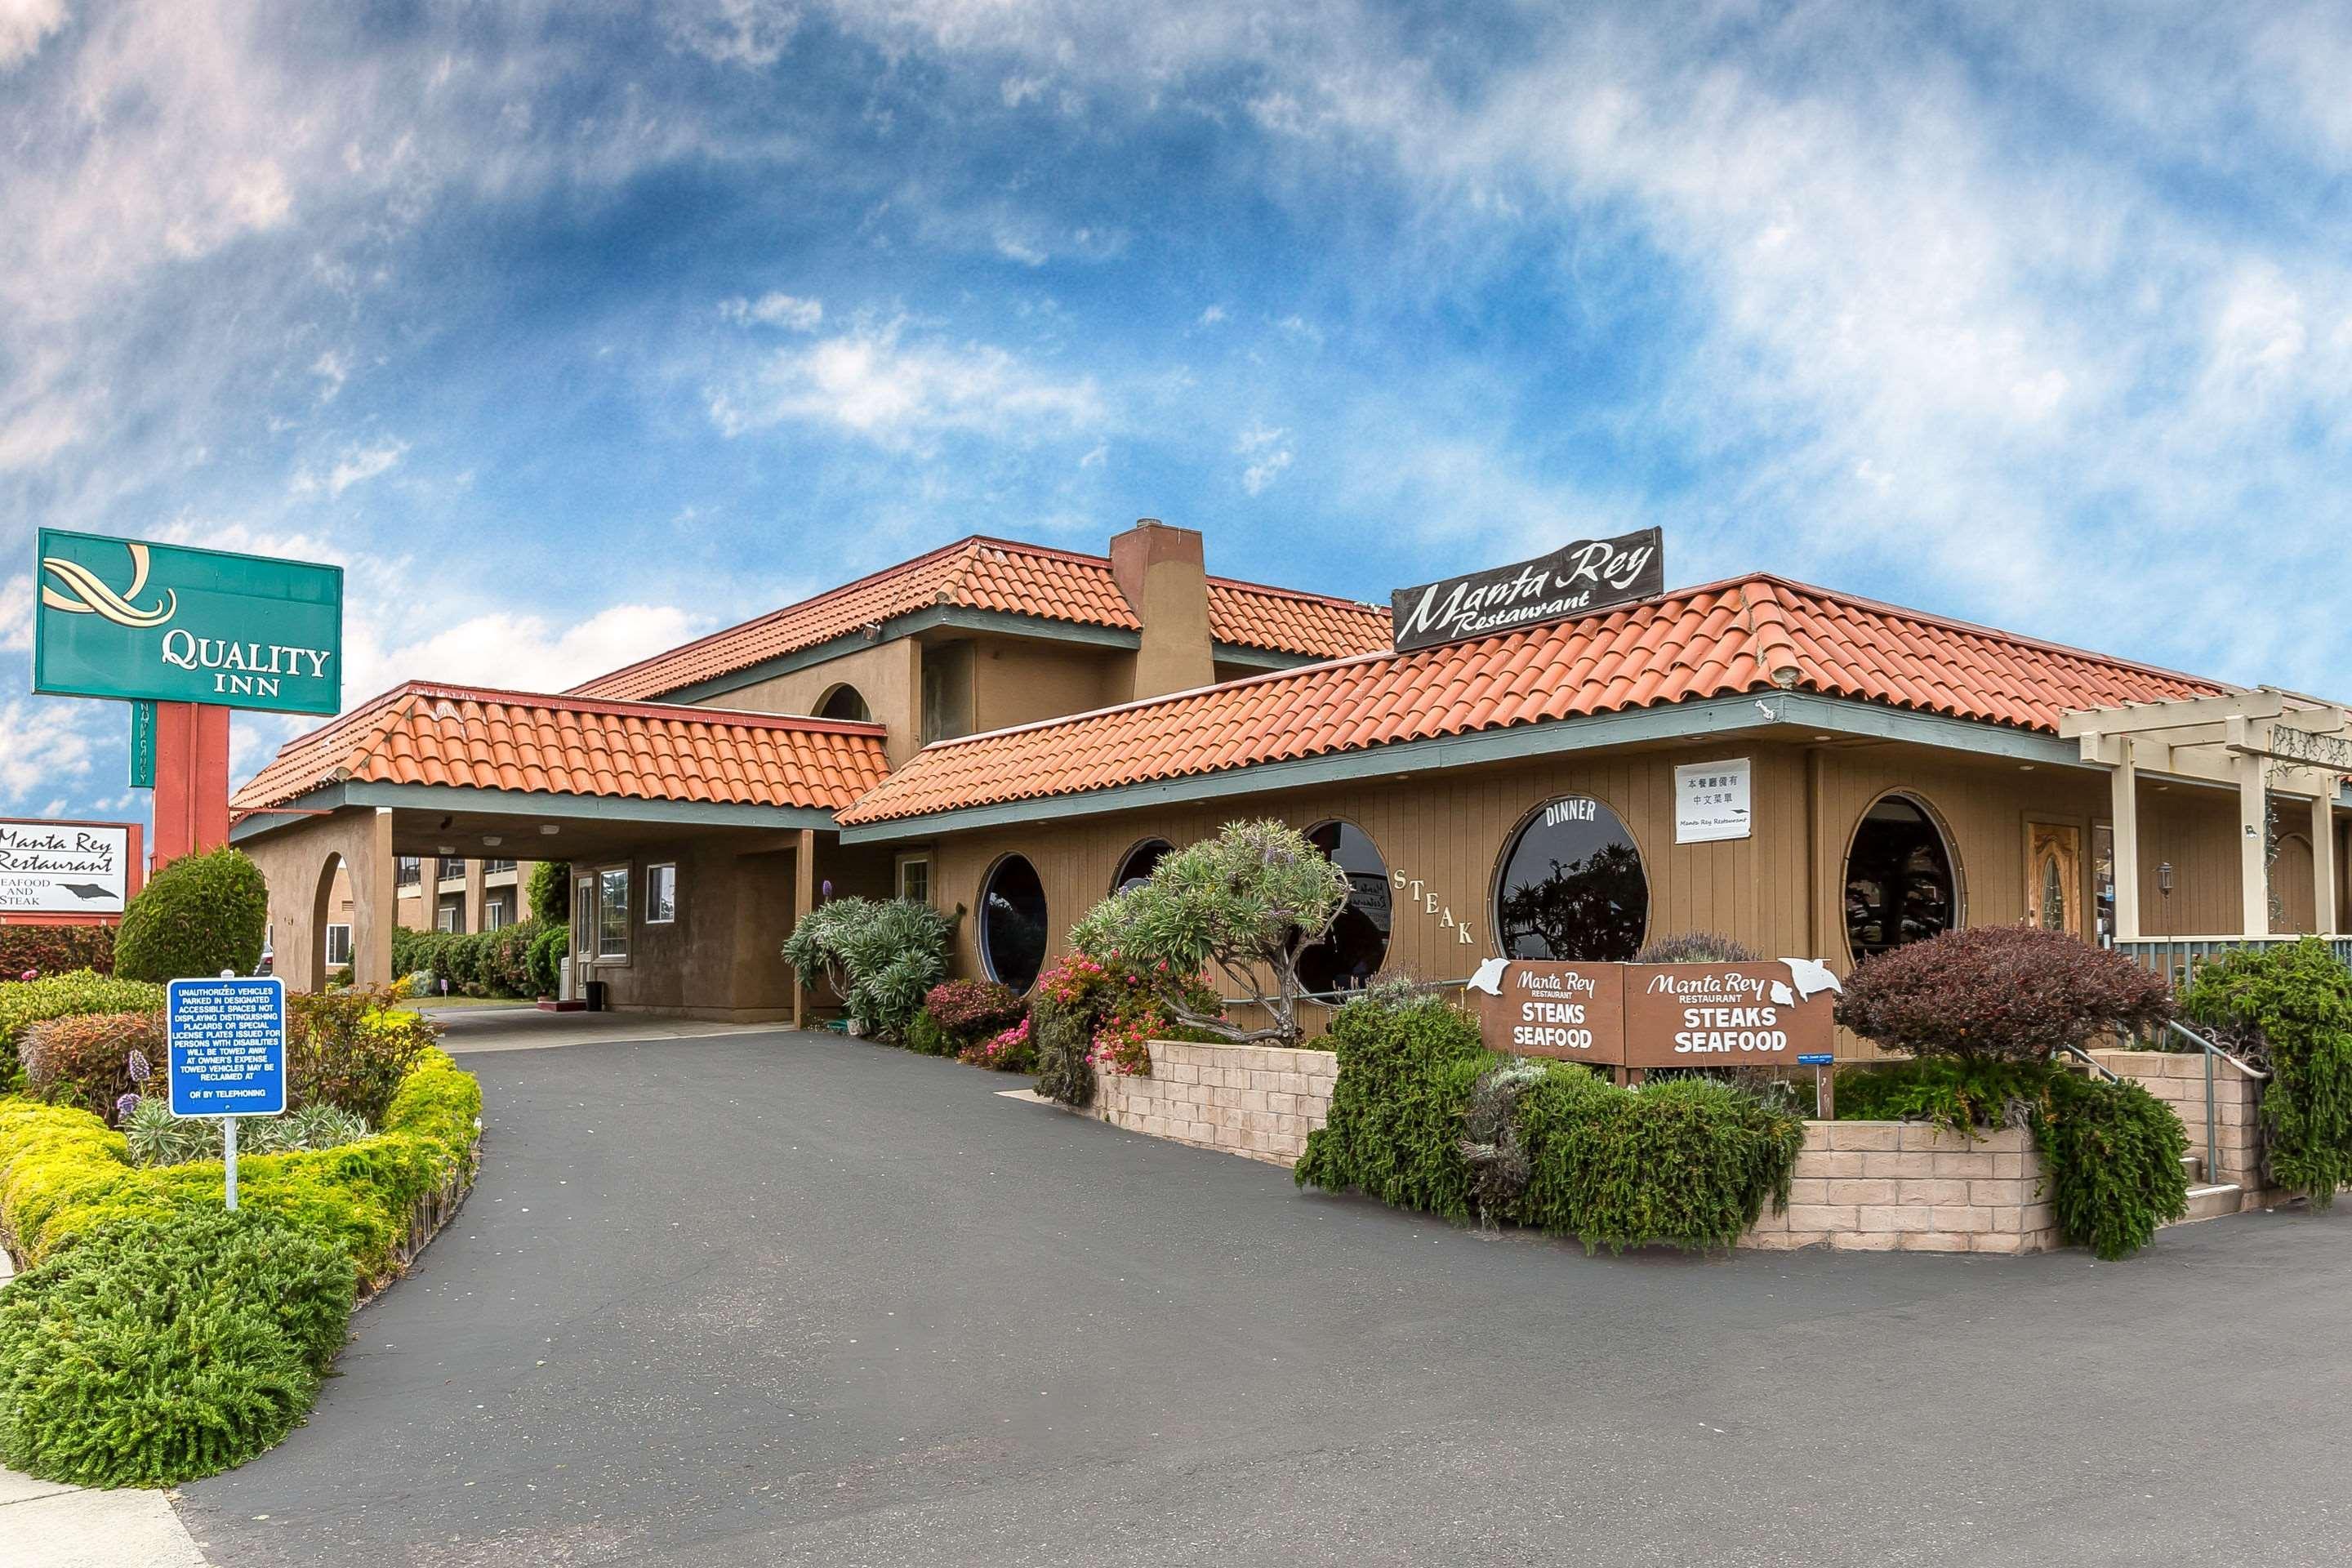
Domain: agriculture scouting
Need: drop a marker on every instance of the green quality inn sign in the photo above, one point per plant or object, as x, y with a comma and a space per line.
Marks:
166, 623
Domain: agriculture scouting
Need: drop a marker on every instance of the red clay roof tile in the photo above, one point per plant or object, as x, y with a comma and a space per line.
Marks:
982, 574
471, 736
1756, 633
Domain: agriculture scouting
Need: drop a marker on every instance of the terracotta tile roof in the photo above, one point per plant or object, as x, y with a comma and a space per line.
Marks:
980, 573
1751, 634
432, 734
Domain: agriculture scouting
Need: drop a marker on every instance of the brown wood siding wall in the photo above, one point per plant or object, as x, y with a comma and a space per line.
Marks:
1780, 890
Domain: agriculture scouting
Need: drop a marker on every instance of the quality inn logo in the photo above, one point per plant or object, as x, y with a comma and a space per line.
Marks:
92, 597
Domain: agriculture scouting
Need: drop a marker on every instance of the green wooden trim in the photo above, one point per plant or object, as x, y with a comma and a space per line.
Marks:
1687, 721
1263, 657
325, 799
998, 621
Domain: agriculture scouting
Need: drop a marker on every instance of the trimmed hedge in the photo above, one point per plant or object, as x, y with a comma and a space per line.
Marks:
54, 950
1689, 1163
197, 916
2011, 993
24, 1003
478, 964
63, 1174
168, 1347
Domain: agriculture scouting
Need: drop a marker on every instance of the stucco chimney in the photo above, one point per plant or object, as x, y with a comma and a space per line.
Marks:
1161, 570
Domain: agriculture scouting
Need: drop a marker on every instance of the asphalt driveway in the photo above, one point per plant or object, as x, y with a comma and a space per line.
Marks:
793, 1298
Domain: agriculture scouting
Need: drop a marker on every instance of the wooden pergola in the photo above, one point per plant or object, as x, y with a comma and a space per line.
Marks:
2262, 742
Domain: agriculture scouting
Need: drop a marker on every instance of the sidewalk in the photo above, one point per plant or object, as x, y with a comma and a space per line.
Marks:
45, 1525
522, 1028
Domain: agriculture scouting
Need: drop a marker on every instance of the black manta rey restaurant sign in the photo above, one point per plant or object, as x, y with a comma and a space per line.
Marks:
1590, 575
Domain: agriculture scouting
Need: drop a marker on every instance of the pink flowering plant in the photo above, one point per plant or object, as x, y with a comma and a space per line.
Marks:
1010, 1051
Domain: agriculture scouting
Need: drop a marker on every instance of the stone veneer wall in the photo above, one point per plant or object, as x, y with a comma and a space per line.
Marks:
1258, 1100
1888, 1186
2179, 1080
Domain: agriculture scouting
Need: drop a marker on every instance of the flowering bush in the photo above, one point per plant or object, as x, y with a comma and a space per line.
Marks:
970, 1009
1011, 1051
1122, 1042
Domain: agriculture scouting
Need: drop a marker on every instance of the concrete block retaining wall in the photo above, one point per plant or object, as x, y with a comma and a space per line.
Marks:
2179, 1080
1895, 1186
1258, 1100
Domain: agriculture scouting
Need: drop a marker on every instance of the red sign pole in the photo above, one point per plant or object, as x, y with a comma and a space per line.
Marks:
191, 779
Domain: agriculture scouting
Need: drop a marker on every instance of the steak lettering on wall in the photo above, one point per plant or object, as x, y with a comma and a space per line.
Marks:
1590, 575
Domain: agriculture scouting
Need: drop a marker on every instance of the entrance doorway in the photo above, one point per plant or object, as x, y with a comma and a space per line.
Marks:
2053, 876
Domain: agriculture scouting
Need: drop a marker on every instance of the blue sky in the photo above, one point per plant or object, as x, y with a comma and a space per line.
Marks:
572, 331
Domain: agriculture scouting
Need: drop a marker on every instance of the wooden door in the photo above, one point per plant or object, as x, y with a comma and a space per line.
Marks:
2053, 876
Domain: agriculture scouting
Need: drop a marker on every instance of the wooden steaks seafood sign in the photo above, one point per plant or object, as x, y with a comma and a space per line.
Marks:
1657, 1014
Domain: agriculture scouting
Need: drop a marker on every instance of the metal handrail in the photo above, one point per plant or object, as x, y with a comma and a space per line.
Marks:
2209, 1048
2088, 1060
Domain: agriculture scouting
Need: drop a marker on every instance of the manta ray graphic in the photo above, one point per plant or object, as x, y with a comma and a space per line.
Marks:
86, 890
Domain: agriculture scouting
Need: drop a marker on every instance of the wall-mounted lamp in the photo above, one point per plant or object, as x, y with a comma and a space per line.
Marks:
549, 830
491, 840
2164, 877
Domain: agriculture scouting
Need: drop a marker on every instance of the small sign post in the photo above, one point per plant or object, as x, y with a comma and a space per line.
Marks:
1824, 1085
227, 1048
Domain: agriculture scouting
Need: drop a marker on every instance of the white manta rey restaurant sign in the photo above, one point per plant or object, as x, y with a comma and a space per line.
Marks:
70, 868
1580, 579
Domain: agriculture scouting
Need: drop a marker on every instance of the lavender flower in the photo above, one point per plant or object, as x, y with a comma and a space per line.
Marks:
123, 1107
140, 1066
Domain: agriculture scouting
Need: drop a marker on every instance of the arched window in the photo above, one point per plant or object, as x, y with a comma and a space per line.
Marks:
844, 702
1359, 941
1572, 885
1138, 864
1901, 883
1013, 923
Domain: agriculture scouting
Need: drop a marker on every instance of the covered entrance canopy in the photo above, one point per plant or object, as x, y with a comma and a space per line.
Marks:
2264, 744
429, 770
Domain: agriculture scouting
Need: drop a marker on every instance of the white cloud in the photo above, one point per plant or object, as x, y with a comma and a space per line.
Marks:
42, 744
16, 615
1267, 449
333, 369
878, 382
1211, 316
1015, 248
785, 311
356, 466
526, 652
24, 24
754, 33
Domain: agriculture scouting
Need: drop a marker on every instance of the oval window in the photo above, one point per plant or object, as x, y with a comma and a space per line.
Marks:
1013, 924
1348, 958
1900, 884
1572, 886
1139, 863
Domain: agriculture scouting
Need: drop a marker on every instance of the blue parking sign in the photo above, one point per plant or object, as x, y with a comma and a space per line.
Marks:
228, 1044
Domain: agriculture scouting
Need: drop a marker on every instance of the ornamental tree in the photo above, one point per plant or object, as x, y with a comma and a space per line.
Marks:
1238, 908
2000, 993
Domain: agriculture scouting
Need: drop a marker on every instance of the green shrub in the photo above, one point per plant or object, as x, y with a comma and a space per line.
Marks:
545, 960
85, 1060
1061, 1035
1424, 1117
55, 950
2114, 1152
199, 916
1956, 1092
971, 1009
926, 1037
1242, 906
1687, 1162
352, 1050
24, 1003
2016, 993
548, 893
1395, 1127
167, 1347
881, 956
63, 1174
2289, 1007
